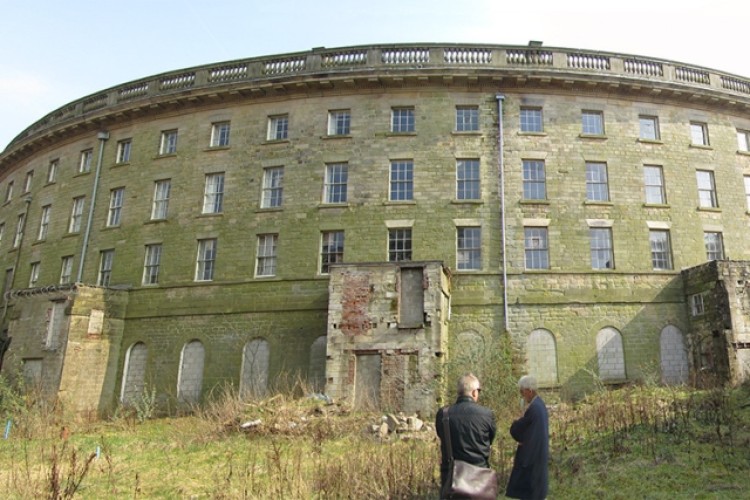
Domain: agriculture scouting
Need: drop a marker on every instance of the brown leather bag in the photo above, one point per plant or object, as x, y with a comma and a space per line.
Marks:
466, 480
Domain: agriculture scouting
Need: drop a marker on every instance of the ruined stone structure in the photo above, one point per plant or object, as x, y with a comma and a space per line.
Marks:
250, 221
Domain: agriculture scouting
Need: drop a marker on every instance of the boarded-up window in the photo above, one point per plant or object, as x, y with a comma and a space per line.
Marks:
367, 382
190, 378
411, 305
254, 378
134, 373
541, 353
55, 323
674, 358
610, 355
316, 376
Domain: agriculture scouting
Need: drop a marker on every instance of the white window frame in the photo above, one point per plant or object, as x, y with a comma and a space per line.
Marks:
52, 171
267, 250
339, 122
28, 181
19, 230
160, 203
220, 134
151, 264
123, 151
44, 219
536, 247
84, 165
531, 119
743, 140
697, 305
331, 249
648, 128
699, 134
34, 273
213, 193
272, 195
706, 182
468, 179
467, 118
661, 258
402, 120
401, 185
278, 127
597, 181
534, 179
116, 201
76, 214
602, 248
168, 142
106, 260
469, 248
714, 243
592, 122
336, 183
653, 184
205, 262
9, 192
66, 269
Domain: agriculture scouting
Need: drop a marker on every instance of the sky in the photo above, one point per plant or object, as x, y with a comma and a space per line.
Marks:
53, 52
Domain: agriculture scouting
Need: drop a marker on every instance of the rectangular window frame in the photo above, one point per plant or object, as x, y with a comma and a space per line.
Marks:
339, 122
151, 264
661, 250
469, 248
592, 122
706, 182
400, 244
401, 187
205, 262
44, 219
272, 195
402, 120
168, 142
536, 247
531, 119
29, 179
278, 127
20, 223
84, 165
597, 182
106, 261
76, 214
123, 151
714, 243
52, 171
468, 179
220, 134
34, 268
699, 134
160, 203
116, 201
467, 118
653, 184
534, 179
213, 194
648, 128
66, 269
697, 305
602, 248
336, 183
331, 249
265, 262
743, 140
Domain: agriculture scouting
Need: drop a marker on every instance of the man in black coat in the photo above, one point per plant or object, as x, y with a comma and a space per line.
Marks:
528, 479
472, 427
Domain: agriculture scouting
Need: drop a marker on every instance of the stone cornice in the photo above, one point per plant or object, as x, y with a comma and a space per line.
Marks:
392, 67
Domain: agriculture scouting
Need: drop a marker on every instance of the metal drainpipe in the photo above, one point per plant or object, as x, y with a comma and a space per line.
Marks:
501, 174
102, 136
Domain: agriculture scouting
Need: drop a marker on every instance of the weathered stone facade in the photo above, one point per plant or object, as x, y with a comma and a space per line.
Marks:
614, 172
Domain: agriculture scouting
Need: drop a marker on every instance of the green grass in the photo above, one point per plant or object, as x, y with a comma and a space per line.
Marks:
638, 442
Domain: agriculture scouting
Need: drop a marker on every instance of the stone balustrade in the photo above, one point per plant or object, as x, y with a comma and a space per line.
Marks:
340, 62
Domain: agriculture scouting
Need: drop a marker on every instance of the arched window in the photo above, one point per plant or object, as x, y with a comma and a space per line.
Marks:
190, 378
316, 375
134, 373
541, 355
254, 376
610, 354
674, 357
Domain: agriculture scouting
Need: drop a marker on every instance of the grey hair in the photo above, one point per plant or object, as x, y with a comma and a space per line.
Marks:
527, 382
466, 384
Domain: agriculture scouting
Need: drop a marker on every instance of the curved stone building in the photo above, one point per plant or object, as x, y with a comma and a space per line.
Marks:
345, 215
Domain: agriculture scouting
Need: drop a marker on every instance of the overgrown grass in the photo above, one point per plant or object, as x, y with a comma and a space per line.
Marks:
636, 442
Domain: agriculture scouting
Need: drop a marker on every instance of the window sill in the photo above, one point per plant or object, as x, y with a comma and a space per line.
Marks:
532, 134
270, 277
472, 133
333, 205
649, 141
275, 141
467, 202
336, 136
72, 235
401, 134
165, 155
81, 174
209, 216
600, 137
598, 203
39, 242
268, 209
656, 205
123, 164
534, 202
52, 183
111, 228
701, 146
216, 148
709, 209
400, 202
743, 153
156, 221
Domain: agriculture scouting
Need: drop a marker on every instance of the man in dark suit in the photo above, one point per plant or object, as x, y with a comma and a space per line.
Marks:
528, 479
472, 427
